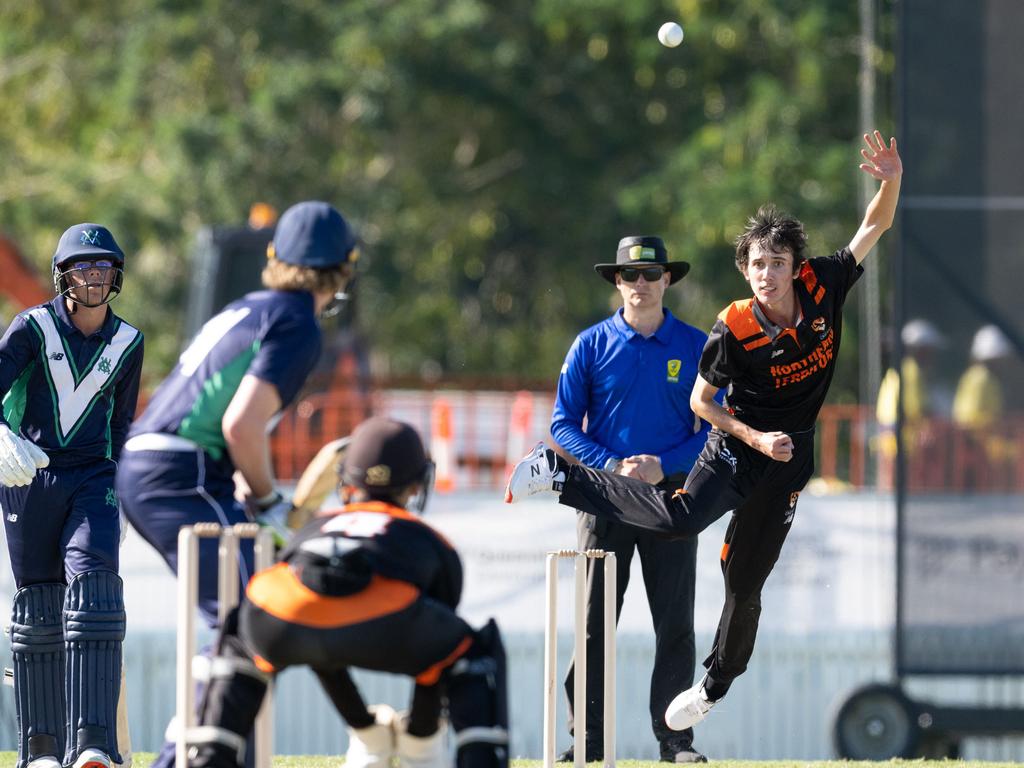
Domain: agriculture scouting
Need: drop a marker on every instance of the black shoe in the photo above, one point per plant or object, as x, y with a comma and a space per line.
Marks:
681, 754
595, 754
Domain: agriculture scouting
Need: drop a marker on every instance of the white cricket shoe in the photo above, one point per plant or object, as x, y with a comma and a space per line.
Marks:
688, 708
422, 751
535, 473
90, 757
374, 745
46, 761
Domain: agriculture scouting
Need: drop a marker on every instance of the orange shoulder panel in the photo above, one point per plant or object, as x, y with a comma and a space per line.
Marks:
739, 318
807, 276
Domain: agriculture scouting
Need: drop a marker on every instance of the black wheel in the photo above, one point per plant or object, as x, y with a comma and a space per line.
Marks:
877, 722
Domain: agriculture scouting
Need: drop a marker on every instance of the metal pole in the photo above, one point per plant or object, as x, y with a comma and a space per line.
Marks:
870, 291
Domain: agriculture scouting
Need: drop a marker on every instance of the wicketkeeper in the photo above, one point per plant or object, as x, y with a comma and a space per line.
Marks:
370, 586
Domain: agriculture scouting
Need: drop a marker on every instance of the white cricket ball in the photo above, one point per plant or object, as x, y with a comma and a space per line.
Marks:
670, 34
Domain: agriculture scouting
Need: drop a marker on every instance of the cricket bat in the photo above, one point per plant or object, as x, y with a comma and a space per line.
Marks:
318, 479
124, 736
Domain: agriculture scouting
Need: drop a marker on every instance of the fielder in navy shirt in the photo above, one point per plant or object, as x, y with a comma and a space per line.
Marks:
629, 378
69, 379
211, 418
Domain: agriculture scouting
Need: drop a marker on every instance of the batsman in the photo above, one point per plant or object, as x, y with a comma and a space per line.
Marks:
69, 379
369, 586
211, 417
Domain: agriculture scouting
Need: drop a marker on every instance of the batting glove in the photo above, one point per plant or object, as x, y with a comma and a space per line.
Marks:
19, 459
271, 512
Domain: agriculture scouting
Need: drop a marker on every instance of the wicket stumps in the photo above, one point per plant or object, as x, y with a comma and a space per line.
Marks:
228, 582
580, 659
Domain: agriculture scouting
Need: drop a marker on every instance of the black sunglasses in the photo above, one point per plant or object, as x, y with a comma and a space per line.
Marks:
650, 274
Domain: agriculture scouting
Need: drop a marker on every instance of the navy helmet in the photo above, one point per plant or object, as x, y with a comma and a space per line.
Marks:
80, 249
313, 234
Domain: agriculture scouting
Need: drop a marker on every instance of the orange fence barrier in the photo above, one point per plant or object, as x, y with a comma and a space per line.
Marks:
485, 427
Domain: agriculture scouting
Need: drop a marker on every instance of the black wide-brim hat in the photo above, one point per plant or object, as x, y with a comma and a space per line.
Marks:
640, 251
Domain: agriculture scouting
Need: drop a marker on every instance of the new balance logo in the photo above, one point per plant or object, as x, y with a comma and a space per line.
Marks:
728, 458
777, 352
57, 356
534, 470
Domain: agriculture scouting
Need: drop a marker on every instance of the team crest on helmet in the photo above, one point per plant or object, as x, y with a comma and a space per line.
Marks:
378, 475
90, 237
673, 370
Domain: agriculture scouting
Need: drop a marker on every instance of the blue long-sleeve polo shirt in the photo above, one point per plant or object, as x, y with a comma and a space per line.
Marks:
634, 393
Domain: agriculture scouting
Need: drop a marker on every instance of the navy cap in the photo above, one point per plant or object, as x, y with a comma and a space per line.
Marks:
313, 234
87, 240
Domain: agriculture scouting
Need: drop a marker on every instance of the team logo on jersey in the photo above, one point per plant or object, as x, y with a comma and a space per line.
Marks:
90, 237
103, 366
378, 475
111, 498
818, 325
673, 370
57, 356
791, 512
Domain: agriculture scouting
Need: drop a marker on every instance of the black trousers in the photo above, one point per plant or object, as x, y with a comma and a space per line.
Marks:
729, 476
669, 568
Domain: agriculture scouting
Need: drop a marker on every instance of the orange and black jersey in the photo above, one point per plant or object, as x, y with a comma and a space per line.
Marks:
777, 378
340, 553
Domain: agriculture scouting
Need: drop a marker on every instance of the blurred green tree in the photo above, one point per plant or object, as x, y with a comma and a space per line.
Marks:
488, 152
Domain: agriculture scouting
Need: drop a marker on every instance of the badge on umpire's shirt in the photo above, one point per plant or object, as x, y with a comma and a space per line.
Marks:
673, 370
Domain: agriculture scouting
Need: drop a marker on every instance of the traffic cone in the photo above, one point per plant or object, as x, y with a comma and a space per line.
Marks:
442, 449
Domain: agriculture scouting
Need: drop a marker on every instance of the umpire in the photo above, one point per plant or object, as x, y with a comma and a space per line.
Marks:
630, 377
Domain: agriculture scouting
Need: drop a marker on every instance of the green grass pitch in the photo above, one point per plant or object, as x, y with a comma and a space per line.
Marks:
143, 759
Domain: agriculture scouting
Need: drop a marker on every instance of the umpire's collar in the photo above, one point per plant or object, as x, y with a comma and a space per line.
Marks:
67, 327
663, 334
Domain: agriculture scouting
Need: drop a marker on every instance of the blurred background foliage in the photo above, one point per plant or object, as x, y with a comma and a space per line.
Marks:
488, 152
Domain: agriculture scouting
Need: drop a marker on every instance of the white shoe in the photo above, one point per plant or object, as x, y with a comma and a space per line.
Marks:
46, 761
374, 745
535, 473
90, 757
688, 708
422, 751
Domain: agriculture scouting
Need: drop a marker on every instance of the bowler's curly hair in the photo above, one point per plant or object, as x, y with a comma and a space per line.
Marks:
774, 231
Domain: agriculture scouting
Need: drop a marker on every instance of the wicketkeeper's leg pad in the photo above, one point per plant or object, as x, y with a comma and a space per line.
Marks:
37, 642
234, 693
94, 627
478, 702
